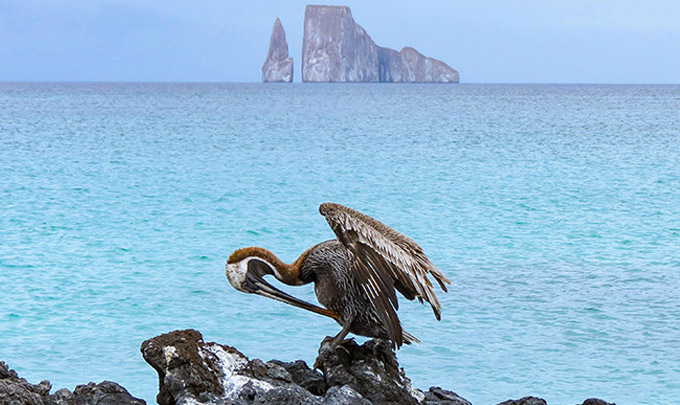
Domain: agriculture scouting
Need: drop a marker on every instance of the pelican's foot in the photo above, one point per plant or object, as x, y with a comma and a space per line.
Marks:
325, 350
331, 345
327, 344
346, 341
327, 340
330, 342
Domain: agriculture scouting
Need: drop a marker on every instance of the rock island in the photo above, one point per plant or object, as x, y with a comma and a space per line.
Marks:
337, 49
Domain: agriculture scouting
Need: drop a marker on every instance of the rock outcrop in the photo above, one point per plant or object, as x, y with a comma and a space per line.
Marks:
541, 401
192, 371
277, 67
15, 390
337, 49
525, 401
410, 66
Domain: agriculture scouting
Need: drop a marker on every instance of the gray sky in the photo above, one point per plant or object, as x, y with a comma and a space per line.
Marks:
575, 41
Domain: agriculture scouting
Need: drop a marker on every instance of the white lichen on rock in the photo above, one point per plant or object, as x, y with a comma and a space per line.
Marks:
232, 364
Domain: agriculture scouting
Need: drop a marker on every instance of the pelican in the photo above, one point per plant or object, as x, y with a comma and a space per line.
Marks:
354, 276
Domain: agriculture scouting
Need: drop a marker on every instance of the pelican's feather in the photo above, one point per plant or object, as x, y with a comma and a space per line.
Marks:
382, 258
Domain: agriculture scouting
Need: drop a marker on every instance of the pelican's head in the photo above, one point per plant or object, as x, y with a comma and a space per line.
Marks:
246, 266
246, 269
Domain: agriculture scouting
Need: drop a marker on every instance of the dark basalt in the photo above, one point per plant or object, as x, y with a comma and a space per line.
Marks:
436, 395
371, 369
525, 401
349, 374
104, 393
15, 390
194, 372
595, 401
540, 401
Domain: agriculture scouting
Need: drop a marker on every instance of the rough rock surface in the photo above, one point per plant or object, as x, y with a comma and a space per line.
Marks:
192, 371
437, 395
277, 67
15, 390
104, 393
418, 68
595, 401
540, 401
524, 401
337, 49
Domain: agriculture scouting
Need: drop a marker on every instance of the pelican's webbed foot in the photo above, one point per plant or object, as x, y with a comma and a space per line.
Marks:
337, 339
328, 349
328, 345
332, 343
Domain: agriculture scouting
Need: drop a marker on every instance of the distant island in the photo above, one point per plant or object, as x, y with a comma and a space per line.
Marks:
336, 49
278, 67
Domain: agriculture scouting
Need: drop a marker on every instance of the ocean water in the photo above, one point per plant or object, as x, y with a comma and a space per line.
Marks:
554, 210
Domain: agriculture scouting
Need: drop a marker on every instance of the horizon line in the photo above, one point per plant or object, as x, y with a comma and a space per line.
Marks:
316, 83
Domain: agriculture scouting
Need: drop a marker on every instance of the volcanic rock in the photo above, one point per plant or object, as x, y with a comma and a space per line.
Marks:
277, 67
15, 390
192, 371
540, 401
525, 401
436, 395
337, 49
596, 401
418, 68
104, 393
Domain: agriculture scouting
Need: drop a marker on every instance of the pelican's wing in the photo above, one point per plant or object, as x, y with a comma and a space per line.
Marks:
383, 259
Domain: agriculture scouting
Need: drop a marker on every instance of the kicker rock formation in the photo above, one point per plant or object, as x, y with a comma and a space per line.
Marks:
410, 66
337, 49
278, 67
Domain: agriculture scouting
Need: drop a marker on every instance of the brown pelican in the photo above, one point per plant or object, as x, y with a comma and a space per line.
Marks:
354, 277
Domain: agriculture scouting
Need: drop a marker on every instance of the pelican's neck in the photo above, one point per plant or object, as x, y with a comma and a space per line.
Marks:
286, 273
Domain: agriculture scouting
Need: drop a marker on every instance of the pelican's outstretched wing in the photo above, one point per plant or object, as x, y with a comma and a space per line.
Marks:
383, 259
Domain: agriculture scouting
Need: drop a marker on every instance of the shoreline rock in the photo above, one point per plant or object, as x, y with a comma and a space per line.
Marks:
194, 372
15, 390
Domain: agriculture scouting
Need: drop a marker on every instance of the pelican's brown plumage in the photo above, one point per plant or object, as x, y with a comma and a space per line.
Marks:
354, 276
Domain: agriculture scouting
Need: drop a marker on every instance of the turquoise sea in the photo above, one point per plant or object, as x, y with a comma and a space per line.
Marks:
554, 210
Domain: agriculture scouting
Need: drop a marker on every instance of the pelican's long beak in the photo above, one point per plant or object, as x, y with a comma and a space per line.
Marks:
255, 284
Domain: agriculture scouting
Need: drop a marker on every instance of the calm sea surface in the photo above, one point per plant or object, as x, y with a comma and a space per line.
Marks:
555, 211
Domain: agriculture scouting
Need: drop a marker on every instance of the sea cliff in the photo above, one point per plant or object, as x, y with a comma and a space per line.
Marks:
337, 49
277, 67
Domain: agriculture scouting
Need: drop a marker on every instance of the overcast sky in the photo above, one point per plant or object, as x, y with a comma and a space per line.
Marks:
541, 41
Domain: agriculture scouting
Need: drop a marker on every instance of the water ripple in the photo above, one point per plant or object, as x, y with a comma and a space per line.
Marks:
554, 210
